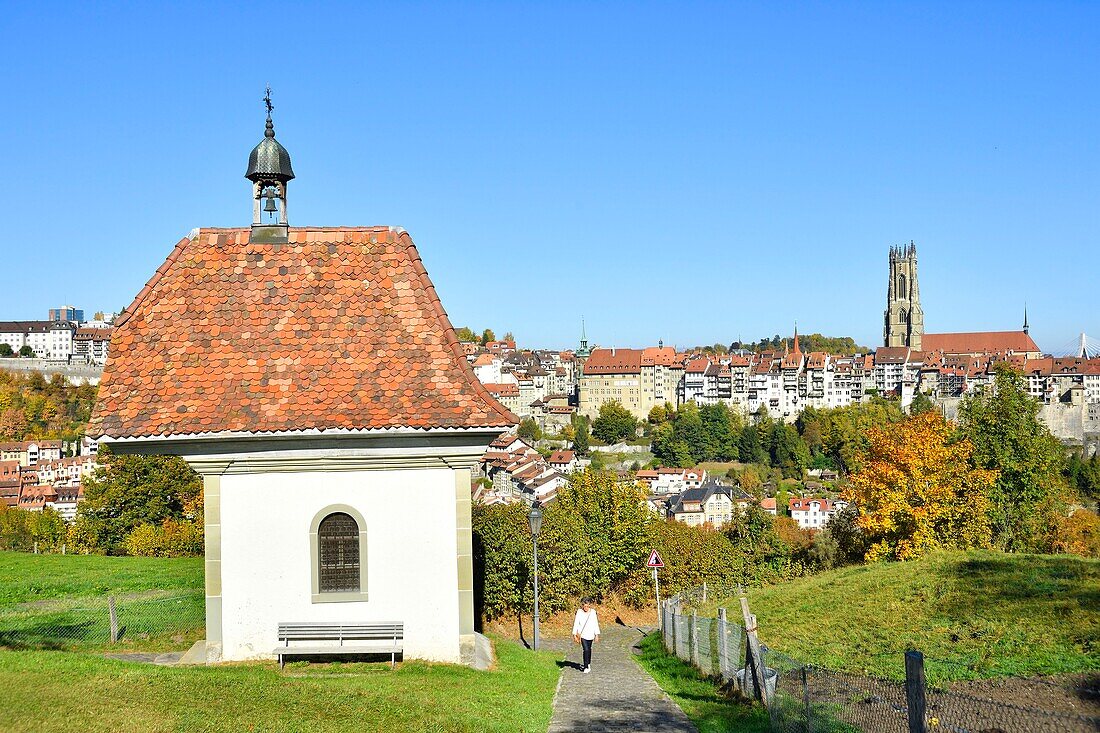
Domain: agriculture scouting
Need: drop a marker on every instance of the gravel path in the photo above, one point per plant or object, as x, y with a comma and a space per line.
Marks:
617, 695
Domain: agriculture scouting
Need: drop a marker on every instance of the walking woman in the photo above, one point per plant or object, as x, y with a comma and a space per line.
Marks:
586, 630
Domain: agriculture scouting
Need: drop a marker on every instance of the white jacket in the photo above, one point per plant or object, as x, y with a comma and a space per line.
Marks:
586, 624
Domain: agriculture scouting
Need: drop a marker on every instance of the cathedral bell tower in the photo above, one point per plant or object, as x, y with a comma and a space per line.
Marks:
904, 319
269, 170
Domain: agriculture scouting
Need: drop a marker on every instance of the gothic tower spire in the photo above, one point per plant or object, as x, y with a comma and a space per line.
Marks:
903, 320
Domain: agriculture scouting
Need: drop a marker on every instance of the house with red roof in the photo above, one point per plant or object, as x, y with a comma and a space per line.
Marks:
814, 513
311, 376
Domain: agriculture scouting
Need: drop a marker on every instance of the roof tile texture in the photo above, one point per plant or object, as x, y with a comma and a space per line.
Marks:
337, 329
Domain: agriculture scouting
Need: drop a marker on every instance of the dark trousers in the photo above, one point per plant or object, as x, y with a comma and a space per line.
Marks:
586, 645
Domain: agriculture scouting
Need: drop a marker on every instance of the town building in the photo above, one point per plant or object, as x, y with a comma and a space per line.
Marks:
814, 513
710, 503
91, 345
31, 452
67, 313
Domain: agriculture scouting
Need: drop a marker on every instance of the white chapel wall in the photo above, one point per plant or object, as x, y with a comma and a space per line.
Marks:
411, 540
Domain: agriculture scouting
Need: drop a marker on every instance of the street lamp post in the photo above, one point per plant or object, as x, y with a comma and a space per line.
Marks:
534, 520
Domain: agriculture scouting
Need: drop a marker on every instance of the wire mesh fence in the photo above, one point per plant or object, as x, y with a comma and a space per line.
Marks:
807, 698
138, 620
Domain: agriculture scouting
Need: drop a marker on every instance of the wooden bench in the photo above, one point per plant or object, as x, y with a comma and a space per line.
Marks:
378, 638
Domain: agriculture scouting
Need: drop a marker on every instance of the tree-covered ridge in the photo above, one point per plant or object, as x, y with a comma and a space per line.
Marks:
35, 408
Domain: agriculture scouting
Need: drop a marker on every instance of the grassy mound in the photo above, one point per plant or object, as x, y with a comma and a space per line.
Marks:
973, 614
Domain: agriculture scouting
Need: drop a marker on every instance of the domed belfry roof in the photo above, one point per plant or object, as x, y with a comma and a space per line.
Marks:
269, 159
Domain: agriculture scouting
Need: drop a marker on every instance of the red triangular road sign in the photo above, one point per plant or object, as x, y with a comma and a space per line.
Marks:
655, 561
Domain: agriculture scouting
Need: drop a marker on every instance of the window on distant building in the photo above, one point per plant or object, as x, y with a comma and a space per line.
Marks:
338, 540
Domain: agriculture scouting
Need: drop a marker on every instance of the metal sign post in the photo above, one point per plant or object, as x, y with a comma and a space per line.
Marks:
656, 562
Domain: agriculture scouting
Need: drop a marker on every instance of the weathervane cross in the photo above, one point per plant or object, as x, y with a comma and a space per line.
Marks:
267, 101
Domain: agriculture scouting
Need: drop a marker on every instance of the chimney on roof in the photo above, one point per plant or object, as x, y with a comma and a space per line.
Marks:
269, 170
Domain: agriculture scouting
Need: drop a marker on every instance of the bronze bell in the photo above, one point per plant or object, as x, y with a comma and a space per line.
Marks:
269, 205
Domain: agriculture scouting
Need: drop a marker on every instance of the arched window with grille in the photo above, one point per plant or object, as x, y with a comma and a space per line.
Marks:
339, 542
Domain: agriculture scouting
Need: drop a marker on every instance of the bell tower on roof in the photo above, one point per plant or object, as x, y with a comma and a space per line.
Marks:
269, 170
904, 319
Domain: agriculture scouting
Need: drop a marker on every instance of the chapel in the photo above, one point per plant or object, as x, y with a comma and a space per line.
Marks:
313, 379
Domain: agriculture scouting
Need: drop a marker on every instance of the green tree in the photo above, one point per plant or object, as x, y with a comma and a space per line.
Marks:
529, 430
788, 451
850, 539
6, 350
501, 558
750, 482
767, 558
658, 415
614, 518
721, 432
921, 403
487, 335
26, 351
466, 335
689, 436
1083, 474
127, 491
614, 423
580, 434
1030, 492
750, 448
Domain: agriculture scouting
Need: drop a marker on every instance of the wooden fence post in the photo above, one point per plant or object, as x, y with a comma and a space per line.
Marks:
114, 619
672, 620
695, 637
754, 660
806, 699
723, 645
915, 691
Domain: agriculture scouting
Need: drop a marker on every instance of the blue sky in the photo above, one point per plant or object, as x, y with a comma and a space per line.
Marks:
684, 171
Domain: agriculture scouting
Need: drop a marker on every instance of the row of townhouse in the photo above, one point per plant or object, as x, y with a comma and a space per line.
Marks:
540, 384
57, 340
785, 383
31, 452
55, 484
517, 472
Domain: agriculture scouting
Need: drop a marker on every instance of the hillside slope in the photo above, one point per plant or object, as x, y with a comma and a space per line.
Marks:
975, 614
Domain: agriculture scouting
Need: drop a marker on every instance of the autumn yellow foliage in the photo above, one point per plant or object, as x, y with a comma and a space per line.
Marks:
917, 491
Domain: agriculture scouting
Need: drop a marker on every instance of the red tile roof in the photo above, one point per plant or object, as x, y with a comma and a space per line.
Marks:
979, 342
561, 456
614, 361
338, 329
659, 356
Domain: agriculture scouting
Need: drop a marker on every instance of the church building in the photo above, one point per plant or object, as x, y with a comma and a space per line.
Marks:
904, 319
313, 379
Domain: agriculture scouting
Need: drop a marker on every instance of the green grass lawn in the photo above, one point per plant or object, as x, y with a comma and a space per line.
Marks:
974, 614
25, 577
698, 696
48, 691
60, 601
